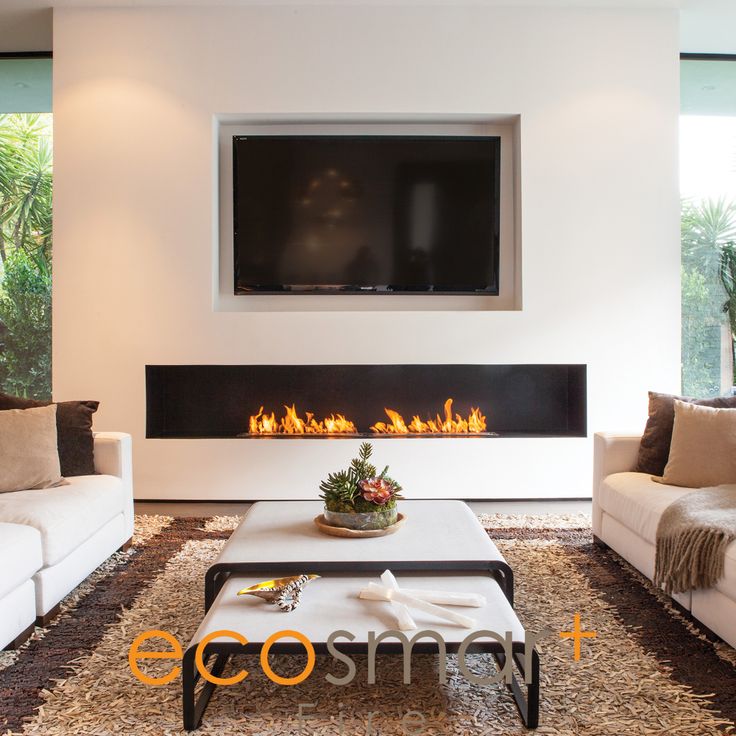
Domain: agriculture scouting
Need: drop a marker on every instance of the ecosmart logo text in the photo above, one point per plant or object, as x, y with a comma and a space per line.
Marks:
505, 673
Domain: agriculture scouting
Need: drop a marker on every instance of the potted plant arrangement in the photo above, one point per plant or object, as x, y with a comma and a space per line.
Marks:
360, 498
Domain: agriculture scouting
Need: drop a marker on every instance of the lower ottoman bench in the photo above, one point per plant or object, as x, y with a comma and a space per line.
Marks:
330, 604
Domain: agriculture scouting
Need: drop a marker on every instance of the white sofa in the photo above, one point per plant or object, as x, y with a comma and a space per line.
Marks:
52, 539
626, 510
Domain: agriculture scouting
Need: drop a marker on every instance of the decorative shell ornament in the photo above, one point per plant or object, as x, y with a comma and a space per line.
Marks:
282, 592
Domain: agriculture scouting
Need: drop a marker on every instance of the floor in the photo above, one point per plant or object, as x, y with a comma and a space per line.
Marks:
226, 508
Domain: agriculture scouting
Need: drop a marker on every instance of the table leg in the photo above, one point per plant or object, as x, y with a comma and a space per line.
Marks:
214, 579
527, 702
504, 576
195, 705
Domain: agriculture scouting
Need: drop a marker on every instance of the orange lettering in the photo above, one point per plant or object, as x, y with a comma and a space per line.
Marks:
199, 661
267, 667
134, 654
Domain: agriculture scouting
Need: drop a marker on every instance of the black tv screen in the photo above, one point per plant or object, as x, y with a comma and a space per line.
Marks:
366, 214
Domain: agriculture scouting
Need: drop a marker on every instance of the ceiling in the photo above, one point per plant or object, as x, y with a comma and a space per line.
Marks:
706, 26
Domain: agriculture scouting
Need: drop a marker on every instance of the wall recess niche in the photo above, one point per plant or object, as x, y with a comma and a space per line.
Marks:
505, 126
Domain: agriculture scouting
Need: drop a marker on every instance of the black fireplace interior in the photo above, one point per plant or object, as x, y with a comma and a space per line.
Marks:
216, 401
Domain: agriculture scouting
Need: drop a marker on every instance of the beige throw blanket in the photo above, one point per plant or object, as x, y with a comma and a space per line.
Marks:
692, 537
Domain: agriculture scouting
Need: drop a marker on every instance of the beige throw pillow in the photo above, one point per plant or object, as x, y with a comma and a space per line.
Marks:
29, 457
703, 449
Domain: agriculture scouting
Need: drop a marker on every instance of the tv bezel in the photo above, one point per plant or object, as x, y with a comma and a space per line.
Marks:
352, 290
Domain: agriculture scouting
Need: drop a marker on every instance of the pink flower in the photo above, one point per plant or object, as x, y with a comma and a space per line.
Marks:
376, 490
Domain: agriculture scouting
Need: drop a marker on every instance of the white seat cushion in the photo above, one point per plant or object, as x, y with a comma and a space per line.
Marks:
20, 555
637, 501
68, 515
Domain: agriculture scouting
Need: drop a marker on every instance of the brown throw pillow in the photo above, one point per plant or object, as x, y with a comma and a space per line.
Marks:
74, 431
703, 450
28, 455
654, 449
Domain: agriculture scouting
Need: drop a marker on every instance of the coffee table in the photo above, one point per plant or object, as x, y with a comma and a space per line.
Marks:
442, 546
280, 538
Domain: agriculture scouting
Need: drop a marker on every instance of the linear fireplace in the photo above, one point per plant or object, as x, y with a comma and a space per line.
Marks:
379, 401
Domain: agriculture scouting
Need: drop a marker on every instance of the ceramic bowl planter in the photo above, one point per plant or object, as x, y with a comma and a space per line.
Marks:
378, 519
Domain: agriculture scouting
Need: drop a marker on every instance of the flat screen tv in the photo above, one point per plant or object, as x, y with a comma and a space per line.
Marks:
366, 214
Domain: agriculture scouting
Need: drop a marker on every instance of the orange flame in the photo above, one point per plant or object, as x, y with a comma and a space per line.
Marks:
474, 424
292, 423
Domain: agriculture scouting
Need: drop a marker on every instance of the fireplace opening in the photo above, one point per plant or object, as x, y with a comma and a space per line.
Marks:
377, 401
292, 423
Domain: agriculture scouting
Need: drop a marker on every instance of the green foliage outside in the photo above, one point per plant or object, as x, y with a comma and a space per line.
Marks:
708, 228
25, 254
701, 353
727, 272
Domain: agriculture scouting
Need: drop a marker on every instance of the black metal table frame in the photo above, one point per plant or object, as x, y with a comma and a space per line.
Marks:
217, 574
195, 704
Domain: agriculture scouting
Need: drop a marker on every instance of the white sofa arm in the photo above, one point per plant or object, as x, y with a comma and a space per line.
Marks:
114, 456
612, 453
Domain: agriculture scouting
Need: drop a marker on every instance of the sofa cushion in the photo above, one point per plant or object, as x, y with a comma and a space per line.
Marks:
20, 555
637, 501
703, 449
28, 454
66, 516
654, 449
74, 430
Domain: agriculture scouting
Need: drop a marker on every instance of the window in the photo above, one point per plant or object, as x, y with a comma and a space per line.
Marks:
25, 226
708, 224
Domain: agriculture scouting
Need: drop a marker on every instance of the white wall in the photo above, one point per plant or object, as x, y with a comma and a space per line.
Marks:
136, 95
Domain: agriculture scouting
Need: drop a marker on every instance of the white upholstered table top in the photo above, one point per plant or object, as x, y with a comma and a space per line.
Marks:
284, 531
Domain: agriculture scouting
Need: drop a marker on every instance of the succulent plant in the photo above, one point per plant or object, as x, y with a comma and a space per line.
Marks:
360, 488
377, 490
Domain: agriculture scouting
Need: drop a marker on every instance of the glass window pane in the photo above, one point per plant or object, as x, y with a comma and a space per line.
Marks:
25, 227
708, 189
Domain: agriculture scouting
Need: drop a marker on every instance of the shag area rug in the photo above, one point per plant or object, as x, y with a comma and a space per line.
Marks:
649, 671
